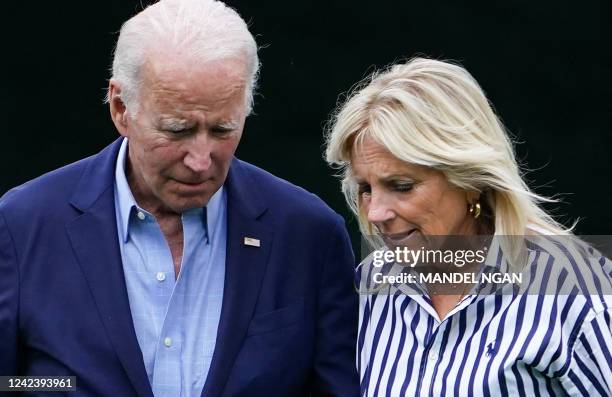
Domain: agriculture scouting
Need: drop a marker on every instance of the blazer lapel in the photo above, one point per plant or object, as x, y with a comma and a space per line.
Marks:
94, 238
245, 266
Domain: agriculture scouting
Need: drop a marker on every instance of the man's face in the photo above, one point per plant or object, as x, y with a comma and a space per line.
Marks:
186, 130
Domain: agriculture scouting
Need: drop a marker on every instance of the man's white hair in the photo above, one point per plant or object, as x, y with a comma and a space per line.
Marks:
207, 30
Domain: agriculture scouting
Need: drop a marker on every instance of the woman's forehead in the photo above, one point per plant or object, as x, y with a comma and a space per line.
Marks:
376, 160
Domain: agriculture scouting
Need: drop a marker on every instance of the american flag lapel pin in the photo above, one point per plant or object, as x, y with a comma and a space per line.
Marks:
253, 242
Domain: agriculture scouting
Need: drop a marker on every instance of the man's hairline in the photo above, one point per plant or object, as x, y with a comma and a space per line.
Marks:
133, 108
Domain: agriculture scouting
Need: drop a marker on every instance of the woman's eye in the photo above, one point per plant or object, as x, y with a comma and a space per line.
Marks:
402, 187
364, 189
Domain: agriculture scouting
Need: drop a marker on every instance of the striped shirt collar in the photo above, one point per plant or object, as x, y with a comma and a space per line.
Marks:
495, 262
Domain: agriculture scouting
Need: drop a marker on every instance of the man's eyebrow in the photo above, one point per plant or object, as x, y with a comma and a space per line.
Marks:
230, 125
174, 122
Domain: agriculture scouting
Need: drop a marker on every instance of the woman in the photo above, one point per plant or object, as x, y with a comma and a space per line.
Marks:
424, 157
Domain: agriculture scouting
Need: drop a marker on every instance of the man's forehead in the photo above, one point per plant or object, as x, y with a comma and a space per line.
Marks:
171, 63
213, 81
210, 83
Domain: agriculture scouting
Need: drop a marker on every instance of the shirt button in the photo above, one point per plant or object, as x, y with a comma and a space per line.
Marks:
161, 276
433, 356
141, 215
168, 342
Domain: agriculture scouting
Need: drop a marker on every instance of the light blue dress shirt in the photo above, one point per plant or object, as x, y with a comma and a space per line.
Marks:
176, 321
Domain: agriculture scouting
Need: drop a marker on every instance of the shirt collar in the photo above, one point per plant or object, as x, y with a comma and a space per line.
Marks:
495, 262
126, 204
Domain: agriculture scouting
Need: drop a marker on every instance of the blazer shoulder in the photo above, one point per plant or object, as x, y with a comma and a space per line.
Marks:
285, 197
44, 192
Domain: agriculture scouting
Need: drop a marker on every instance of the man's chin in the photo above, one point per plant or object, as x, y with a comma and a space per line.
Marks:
182, 204
184, 198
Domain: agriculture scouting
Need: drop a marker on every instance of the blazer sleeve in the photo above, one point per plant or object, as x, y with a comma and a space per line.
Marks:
9, 298
335, 373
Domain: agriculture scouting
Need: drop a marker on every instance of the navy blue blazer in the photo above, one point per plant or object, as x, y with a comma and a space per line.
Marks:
289, 316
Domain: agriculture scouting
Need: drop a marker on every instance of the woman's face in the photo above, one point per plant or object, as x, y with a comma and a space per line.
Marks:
406, 201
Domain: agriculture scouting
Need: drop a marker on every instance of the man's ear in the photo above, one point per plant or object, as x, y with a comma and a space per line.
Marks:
118, 110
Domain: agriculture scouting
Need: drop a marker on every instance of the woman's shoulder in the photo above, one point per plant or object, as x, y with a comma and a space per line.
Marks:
569, 266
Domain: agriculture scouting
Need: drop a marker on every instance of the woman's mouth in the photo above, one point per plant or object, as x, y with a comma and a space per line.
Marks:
397, 239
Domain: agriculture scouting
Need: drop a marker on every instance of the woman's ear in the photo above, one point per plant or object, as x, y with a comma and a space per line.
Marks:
472, 196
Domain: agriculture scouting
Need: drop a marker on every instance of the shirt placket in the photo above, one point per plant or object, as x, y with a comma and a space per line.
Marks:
167, 365
429, 358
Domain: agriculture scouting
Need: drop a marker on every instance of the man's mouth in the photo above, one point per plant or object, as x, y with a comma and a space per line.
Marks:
191, 183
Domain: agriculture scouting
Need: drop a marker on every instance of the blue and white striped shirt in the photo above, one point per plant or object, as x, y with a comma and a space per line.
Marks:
518, 344
176, 321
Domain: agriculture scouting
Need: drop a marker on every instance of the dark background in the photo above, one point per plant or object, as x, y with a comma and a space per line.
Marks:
544, 64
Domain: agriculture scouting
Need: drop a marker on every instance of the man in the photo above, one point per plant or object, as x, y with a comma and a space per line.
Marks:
163, 265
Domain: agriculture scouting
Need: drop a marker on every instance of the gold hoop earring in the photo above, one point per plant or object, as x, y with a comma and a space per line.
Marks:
474, 209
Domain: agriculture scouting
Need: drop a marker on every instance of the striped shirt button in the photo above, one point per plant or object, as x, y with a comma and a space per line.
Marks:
433, 356
168, 342
161, 276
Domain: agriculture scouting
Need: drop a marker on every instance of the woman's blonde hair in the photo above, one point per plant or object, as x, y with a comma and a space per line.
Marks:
434, 113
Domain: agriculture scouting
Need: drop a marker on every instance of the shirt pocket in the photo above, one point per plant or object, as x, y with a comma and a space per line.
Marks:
277, 319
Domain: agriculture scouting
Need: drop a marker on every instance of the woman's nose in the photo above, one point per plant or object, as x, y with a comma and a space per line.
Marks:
379, 209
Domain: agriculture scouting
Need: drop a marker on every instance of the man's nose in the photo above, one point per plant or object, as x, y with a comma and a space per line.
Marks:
198, 158
379, 208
